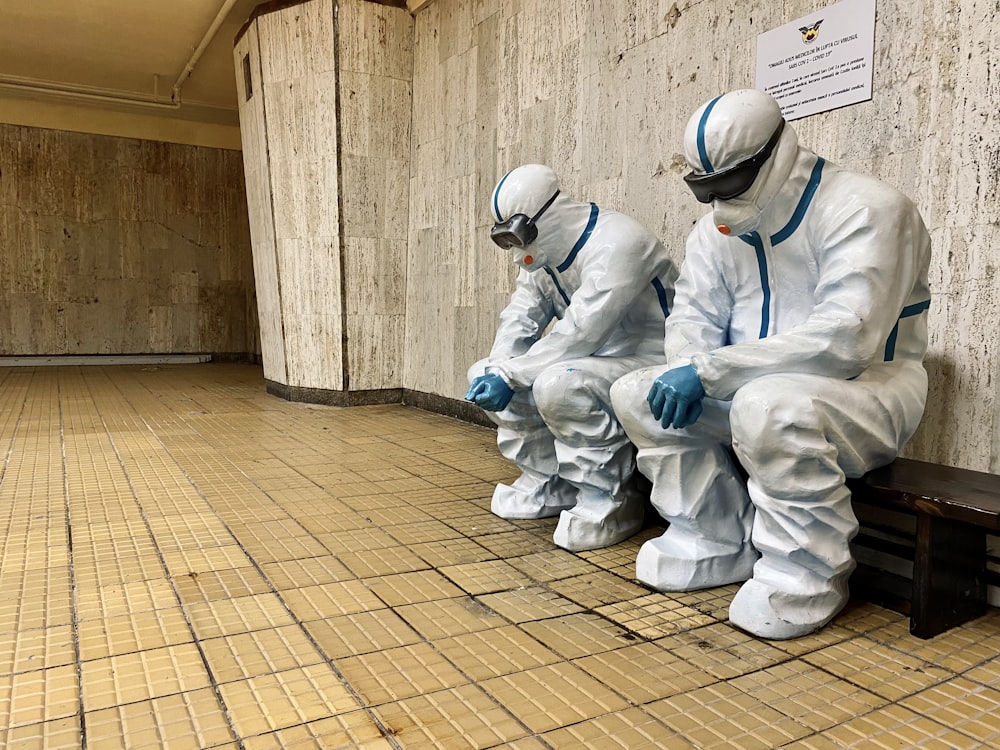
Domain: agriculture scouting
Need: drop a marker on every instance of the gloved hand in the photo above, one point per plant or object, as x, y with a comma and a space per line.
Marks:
675, 397
490, 392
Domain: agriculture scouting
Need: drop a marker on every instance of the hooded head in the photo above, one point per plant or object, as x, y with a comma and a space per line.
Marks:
732, 144
519, 202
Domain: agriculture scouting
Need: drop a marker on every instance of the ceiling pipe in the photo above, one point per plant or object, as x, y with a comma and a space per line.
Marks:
85, 93
116, 96
220, 17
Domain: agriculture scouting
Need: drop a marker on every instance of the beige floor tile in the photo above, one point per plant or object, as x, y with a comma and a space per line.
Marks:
95, 572
356, 730
252, 573
232, 616
712, 602
230, 583
361, 633
463, 717
60, 734
551, 564
413, 588
261, 652
962, 705
452, 552
285, 699
890, 727
37, 696
654, 615
722, 716
956, 650
644, 672
596, 589
576, 635
987, 673
809, 695
486, 577
397, 673
125, 634
314, 571
477, 522
631, 729
190, 720
330, 599
496, 652
530, 603
446, 617
511, 545
881, 669
35, 598
423, 531
553, 696
37, 648
723, 651
142, 675
206, 560
124, 598
383, 562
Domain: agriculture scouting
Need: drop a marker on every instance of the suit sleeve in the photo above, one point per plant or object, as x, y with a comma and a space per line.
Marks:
613, 272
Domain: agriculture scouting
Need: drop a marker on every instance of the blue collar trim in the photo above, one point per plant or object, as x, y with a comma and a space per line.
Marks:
582, 241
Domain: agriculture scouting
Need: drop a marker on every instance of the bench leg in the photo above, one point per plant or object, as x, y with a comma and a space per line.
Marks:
949, 575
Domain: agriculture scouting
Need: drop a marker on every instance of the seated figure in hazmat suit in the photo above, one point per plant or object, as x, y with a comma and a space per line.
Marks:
606, 284
795, 345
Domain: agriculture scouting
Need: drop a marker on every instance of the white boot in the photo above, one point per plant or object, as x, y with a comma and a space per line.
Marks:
768, 612
678, 561
600, 520
533, 496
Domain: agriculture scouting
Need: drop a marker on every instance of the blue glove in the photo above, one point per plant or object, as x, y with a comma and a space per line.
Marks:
489, 392
675, 397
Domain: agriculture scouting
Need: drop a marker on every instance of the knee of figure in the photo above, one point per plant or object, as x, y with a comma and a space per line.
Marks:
563, 393
628, 399
766, 409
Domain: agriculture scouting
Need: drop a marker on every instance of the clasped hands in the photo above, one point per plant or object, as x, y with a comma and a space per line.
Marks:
489, 392
675, 398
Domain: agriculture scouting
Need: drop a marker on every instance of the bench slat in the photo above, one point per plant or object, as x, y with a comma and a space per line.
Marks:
960, 494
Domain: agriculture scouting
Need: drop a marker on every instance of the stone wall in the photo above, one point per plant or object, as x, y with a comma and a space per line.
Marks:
601, 92
326, 123
122, 246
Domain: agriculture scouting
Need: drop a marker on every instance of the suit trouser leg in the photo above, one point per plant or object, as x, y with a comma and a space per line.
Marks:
799, 437
697, 488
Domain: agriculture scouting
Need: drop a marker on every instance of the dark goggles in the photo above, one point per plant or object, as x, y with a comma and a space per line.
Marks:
735, 180
519, 230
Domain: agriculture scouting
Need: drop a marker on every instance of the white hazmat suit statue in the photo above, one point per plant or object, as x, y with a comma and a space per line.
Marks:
606, 285
796, 346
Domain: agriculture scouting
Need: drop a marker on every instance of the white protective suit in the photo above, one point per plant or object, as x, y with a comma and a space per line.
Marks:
807, 328
607, 283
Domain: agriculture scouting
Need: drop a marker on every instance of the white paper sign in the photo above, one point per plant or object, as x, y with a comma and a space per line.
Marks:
821, 61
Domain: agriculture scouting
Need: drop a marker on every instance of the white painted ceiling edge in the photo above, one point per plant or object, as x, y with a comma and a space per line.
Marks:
211, 119
80, 32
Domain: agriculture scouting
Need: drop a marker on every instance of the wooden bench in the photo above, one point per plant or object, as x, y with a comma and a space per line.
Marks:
954, 510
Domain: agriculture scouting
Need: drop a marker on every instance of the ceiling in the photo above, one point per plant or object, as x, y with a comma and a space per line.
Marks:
120, 55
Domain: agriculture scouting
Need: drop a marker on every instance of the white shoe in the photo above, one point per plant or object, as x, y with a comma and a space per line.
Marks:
668, 564
533, 497
755, 609
600, 520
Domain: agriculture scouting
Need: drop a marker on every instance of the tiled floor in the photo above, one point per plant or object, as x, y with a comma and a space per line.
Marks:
188, 562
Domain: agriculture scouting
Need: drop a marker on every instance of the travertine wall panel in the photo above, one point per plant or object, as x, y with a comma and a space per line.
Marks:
253, 129
376, 68
119, 246
331, 160
299, 87
601, 91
